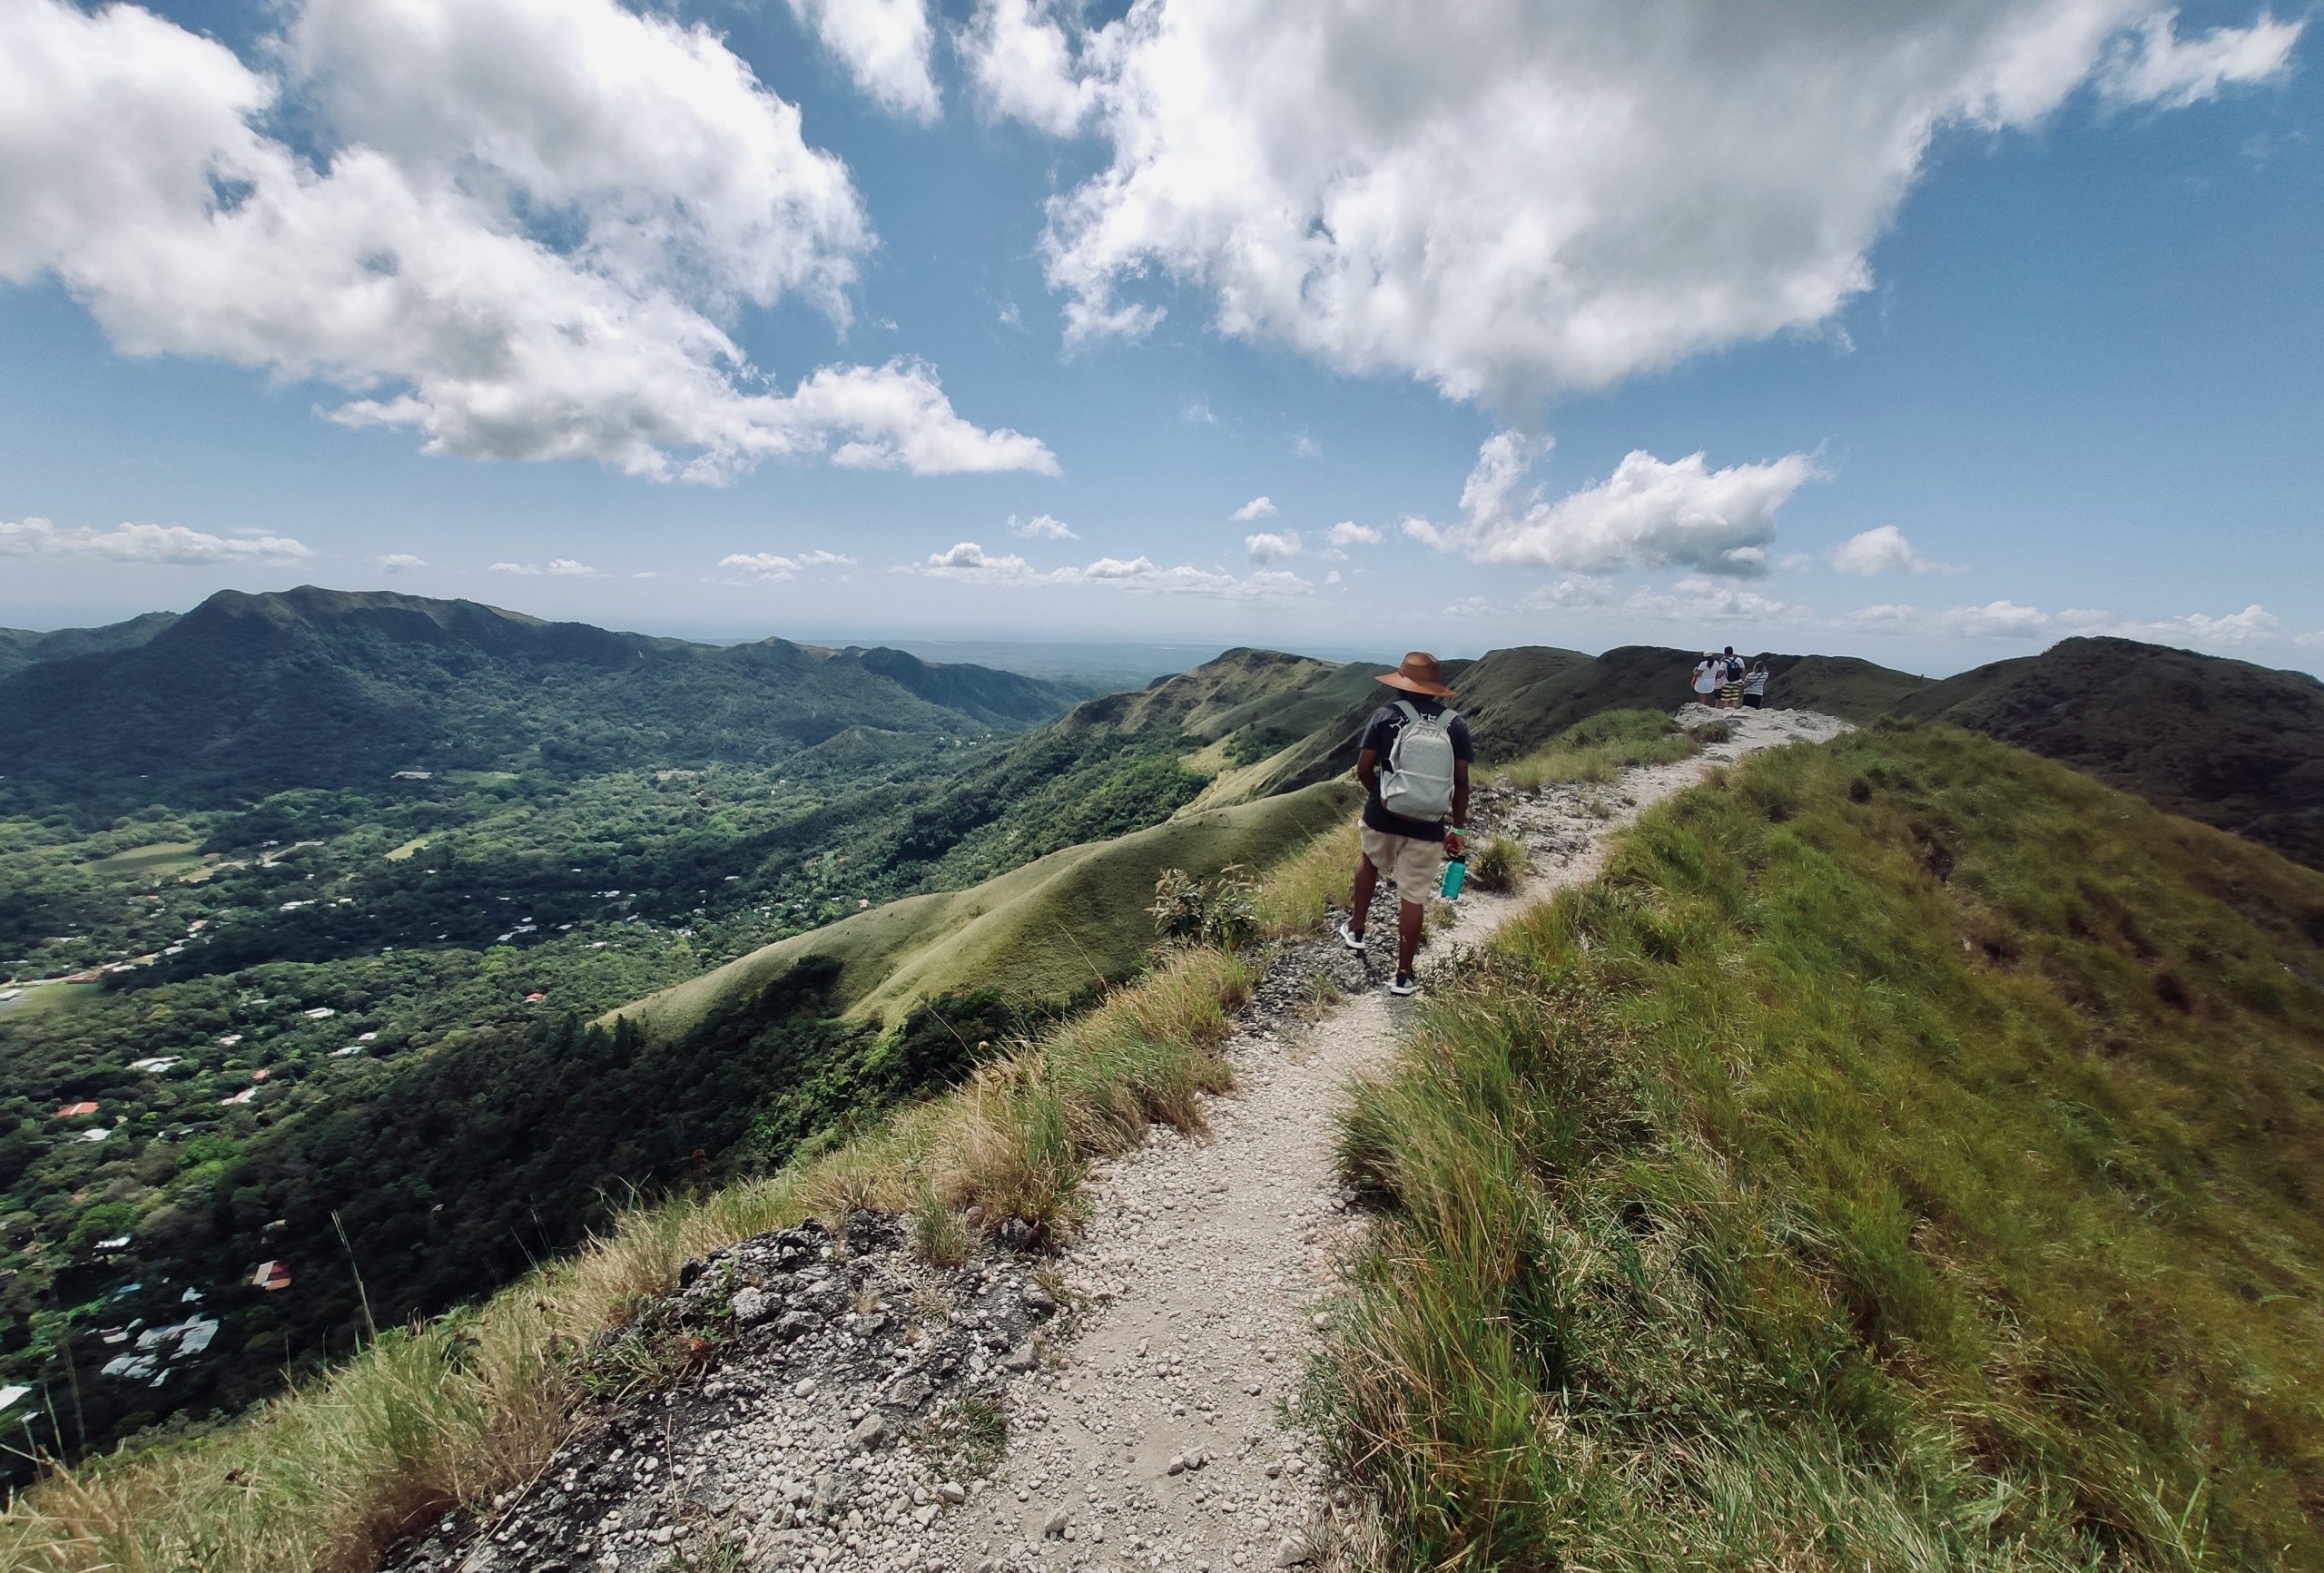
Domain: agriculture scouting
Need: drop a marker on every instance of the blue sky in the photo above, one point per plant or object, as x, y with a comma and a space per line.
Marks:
1989, 326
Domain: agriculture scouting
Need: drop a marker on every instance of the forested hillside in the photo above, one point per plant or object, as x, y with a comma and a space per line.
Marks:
251, 695
20, 647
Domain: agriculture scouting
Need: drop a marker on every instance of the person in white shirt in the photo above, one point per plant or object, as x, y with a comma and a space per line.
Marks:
1710, 673
1755, 685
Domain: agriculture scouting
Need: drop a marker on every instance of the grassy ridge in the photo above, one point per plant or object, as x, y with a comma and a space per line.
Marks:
1906, 1155
1045, 931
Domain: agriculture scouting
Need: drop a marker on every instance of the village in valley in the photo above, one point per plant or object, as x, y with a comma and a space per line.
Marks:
211, 988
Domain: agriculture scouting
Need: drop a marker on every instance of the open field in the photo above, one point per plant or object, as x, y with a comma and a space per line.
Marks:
46, 998
158, 861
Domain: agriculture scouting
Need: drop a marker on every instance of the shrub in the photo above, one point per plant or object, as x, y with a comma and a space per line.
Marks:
1499, 864
1221, 910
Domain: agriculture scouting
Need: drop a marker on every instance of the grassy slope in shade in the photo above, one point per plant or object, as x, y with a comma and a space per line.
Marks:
1044, 933
2232, 744
1907, 1156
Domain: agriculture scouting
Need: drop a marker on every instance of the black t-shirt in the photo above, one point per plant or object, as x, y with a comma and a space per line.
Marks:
1380, 738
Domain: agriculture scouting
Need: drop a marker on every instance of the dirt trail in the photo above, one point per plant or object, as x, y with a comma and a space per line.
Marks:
1155, 1436
1146, 1425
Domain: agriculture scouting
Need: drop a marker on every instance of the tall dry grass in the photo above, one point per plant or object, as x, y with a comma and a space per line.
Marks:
1777, 1201
448, 1412
1291, 901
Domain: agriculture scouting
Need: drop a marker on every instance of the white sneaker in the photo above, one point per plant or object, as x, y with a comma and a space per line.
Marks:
1351, 936
1403, 983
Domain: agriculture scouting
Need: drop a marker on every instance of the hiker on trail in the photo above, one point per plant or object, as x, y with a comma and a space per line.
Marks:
1416, 809
1755, 685
1731, 680
1710, 673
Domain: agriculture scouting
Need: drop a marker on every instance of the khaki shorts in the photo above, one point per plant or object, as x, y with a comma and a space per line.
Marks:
1415, 862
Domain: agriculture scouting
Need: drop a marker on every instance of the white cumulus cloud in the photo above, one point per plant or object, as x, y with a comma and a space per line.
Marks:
1573, 592
1883, 550
1256, 508
2004, 619
1021, 62
1697, 599
1514, 201
1269, 547
774, 568
969, 563
1041, 527
136, 543
398, 563
518, 228
1649, 514
884, 45
1348, 533
2152, 64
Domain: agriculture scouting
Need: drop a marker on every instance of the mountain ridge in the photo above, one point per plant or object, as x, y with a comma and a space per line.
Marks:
2231, 743
248, 695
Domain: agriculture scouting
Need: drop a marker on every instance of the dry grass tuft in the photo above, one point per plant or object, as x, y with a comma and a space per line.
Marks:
1499, 864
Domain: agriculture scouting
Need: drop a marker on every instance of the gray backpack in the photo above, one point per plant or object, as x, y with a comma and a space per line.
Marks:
1418, 782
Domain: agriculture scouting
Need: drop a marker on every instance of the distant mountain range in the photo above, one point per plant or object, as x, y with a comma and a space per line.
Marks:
250, 695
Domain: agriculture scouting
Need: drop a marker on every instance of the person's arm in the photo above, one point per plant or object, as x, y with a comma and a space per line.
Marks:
1367, 770
1455, 837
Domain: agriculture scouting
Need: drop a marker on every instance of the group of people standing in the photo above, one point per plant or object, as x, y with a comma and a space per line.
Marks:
1725, 681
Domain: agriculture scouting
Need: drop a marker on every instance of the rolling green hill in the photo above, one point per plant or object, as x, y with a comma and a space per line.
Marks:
21, 647
1268, 735
1906, 1155
2232, 744
250, 695
1043, 933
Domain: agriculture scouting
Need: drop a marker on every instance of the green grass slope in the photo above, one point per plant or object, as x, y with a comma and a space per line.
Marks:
1043, 932
2232, 744
1908, 1155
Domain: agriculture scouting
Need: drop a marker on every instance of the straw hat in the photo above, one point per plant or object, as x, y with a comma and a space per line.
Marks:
1419, 674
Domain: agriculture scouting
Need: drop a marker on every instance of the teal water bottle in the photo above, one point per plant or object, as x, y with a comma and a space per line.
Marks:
1456, 870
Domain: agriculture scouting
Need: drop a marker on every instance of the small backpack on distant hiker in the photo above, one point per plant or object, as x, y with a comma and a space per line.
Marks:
1418, 782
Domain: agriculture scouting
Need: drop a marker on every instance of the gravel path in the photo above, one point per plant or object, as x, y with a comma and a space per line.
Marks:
1158, 1436
848, 1398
